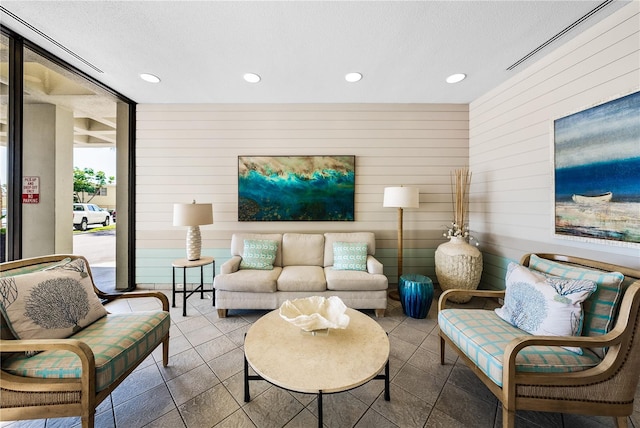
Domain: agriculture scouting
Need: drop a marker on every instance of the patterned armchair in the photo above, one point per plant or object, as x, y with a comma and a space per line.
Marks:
45, 377
537, 372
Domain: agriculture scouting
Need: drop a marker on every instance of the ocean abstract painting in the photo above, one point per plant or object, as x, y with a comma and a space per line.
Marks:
597, 172
296, 188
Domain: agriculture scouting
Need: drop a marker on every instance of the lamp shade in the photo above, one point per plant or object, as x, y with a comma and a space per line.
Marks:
401, 197
192, 214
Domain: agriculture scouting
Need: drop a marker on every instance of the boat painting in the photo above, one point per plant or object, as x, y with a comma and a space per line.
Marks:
595, 199
596, 173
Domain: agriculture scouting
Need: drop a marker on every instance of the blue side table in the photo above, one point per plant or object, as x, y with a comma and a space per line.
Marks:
416, 294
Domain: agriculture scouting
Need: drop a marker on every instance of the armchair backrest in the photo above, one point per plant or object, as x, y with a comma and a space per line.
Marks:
621, 364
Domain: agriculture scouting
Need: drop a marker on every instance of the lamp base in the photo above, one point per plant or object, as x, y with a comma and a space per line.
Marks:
194, 243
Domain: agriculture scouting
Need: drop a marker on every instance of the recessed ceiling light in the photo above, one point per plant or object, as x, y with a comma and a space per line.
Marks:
149, 78
251, 77
353, 77
455, 78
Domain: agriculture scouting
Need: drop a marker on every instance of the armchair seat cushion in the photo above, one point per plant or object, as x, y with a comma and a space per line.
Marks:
117, 342
482, 336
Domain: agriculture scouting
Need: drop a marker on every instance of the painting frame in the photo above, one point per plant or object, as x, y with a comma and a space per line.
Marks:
596, 170
296, 188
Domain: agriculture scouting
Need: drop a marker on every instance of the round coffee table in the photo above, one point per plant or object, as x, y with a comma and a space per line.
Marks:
285, 356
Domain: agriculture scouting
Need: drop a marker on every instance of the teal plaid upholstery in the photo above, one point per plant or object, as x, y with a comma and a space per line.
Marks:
601, 307
118, 342
483, 336
33, 268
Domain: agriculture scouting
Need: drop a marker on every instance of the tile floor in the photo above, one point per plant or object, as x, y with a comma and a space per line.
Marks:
202, 387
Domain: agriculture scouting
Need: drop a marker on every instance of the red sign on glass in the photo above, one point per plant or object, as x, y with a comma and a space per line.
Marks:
31, 190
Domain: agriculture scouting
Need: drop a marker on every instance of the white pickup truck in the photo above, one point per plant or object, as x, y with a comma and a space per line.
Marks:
86, 214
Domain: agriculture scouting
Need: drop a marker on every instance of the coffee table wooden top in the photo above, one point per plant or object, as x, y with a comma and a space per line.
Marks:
288, 357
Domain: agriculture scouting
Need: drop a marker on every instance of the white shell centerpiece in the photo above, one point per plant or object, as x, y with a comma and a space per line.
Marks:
315, 313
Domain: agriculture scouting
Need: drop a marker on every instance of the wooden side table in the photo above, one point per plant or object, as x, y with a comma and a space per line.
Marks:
185, 264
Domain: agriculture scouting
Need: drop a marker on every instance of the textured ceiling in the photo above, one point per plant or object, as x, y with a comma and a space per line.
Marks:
302, 50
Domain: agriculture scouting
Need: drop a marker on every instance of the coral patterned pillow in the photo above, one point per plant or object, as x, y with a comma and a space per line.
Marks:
259, 254
51, 304
542, 305
350, 256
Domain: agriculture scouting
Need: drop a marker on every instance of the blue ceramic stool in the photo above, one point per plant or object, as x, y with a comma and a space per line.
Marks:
416, 294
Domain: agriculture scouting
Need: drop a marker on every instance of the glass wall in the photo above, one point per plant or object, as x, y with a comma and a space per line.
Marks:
4, 125
60, 130
69, 131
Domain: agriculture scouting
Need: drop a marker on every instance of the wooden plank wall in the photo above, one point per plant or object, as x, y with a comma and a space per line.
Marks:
511, 141
187, 152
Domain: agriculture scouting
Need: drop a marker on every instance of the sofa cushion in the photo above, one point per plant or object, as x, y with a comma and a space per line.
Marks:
258, 254
50, 304
483, 336
350, 256
544, 305
302, 249
601, 307
354, 280
329, 238
237, 243
118, 342
252, 280
302, 278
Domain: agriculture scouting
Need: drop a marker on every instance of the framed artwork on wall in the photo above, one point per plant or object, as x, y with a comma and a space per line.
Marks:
597, 173
296, 188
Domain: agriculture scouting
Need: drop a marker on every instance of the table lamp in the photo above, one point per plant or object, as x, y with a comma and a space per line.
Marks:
193, 215
401, 197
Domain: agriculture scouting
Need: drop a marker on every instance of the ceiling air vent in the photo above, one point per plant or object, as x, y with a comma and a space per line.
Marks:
58, 44
561, 33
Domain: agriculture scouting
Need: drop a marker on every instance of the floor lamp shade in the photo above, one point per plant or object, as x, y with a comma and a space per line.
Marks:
401, 197
193, 215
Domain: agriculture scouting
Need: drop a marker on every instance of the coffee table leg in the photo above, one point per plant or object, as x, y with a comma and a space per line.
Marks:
319, 409
387, 395
247, 396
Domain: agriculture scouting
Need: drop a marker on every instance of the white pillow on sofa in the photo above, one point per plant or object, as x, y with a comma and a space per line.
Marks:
543, 305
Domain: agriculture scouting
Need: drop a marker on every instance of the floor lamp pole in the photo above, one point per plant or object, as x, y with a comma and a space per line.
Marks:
393, 294
399, 243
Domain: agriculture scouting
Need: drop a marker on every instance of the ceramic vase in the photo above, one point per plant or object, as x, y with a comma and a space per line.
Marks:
458, 265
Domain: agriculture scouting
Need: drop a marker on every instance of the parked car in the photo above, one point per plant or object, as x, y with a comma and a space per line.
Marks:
86, 214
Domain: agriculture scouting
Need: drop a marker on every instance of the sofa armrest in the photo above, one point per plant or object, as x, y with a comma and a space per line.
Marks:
81, 349
374, 266
230, 266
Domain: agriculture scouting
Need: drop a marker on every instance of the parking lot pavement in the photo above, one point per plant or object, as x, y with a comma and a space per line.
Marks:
99, 248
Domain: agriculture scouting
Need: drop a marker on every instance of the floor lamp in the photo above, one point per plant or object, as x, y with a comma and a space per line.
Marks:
400, 197
193, 215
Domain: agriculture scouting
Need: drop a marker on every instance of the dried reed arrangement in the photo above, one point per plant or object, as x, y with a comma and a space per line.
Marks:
460, 184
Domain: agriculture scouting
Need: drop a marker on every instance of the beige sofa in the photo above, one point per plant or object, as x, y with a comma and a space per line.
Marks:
303, 267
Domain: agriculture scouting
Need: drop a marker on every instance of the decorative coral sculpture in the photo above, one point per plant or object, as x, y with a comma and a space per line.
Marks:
315, 313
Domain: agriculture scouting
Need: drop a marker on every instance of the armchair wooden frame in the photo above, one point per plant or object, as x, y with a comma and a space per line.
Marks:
34, 398
607, 389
